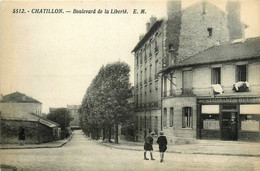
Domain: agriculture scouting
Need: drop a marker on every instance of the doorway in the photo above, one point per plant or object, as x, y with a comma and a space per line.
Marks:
229, 119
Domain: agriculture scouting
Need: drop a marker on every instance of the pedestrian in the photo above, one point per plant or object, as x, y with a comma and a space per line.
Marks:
148, 146
162, 141
21, 136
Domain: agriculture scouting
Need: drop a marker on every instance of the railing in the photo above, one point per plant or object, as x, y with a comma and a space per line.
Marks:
187, 91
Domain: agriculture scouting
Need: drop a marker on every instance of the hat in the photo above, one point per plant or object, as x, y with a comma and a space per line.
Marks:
152, 133
161, 133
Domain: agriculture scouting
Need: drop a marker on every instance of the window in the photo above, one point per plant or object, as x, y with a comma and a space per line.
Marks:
156, 125
210, 32
141, 123
186, 117
165, 86
187, 82
171, 116
137, 123
215, 76
165, 117
241, 73
137, 60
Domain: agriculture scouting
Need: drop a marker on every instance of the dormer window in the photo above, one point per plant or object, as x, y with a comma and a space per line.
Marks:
210, 32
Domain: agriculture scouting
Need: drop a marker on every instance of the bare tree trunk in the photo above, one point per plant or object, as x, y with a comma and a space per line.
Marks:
109, 135
104, 134
116, 138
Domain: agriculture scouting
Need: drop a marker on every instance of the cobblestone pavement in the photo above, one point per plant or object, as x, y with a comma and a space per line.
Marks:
84, 154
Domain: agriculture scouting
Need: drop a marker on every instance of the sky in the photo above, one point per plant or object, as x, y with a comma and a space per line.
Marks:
54, 57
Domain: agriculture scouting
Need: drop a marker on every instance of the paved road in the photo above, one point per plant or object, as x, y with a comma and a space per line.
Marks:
84, 154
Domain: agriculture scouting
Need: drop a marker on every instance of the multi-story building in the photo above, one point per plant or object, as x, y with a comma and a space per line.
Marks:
214, 94
185, 32
73, 110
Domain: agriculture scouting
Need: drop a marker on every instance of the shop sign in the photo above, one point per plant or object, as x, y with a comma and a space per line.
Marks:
230, 100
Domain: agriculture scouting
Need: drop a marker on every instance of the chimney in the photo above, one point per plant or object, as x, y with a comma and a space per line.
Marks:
152, 20
141, 37
174, 9
235, 29
148, 26
1, 97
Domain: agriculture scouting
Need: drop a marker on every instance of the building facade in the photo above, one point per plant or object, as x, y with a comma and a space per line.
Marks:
214, 94
20, 102
20, 111
184, 33
74, 112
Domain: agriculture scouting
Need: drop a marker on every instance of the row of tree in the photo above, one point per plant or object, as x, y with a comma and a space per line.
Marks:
106, 102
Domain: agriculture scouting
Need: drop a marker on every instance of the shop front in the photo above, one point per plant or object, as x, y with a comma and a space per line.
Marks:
229, 118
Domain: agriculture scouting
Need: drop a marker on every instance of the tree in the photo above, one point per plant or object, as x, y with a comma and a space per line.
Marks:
105, 103
62, 117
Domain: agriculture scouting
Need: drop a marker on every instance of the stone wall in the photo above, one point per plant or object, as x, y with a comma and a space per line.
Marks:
34, 132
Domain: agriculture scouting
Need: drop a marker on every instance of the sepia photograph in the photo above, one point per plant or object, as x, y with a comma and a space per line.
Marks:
129, 85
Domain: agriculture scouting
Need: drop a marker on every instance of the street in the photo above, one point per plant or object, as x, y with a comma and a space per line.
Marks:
82, 153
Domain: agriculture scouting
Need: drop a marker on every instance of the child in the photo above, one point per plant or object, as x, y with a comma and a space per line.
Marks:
148, 146
162, 141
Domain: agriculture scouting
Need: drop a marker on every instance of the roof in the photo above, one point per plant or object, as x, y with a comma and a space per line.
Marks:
146, 37
239, 51
18, 97
24, 116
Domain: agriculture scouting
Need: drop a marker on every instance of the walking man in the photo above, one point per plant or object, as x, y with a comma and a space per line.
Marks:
148, 146
162, 141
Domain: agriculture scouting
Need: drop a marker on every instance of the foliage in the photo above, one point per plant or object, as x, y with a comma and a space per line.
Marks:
62, 117
105, 103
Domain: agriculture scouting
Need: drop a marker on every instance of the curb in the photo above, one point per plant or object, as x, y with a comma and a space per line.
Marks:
177, 152
54, 146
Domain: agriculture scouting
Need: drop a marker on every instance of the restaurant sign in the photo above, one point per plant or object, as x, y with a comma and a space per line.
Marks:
230, 100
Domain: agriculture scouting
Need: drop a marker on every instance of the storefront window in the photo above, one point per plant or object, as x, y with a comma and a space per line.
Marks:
210, 117
249, 117
210, 121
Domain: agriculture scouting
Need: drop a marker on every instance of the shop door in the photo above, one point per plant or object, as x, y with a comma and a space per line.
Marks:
229, 125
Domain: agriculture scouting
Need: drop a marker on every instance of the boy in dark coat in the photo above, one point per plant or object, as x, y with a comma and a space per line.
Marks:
162, 141
148, 146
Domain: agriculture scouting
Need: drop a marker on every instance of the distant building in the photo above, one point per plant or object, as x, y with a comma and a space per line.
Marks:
73, 110
20, 111
184, 33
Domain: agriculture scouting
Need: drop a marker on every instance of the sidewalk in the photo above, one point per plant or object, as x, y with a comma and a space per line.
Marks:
54, 144
207, 147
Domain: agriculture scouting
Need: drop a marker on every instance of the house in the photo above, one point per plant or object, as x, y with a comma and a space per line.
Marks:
20, 111
184, 33
202, 98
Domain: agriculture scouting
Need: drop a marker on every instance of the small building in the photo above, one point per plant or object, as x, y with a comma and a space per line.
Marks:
20, 111
214, 94
37, 129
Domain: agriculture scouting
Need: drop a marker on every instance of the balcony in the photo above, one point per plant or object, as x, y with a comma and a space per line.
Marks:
187, 92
